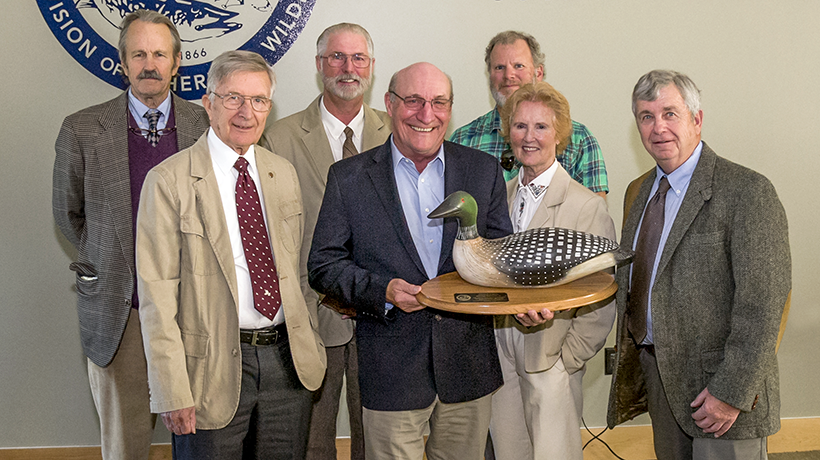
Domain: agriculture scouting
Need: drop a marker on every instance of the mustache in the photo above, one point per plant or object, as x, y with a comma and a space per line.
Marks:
149, 74
348, 76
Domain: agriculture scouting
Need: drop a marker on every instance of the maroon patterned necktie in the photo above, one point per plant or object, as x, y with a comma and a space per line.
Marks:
265, 281
646, 250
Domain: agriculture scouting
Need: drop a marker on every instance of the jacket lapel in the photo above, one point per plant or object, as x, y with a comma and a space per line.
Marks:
373, 124
384, 181
456, 173
313, 136
186, 121
209, 206
555, 195
699, 192
636, 212
628, 235
274, 185
111, 148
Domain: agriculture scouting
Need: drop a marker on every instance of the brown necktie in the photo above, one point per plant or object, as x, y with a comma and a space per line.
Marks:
265, 281
645, 251
348, 149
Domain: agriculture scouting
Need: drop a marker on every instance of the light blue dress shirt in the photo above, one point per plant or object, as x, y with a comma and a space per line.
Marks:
420, 193
679, 182
138, 109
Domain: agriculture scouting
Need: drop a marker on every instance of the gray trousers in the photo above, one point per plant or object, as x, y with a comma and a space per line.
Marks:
342, 365
672, 443
271, 421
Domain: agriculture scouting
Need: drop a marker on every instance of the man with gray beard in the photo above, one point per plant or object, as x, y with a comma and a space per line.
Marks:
336, 125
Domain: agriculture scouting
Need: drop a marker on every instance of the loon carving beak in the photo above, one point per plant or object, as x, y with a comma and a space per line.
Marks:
458, 204
445, 209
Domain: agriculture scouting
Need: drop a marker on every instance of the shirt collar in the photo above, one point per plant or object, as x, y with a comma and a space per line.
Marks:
138, 107
539, 185
225, 157
495, 120
680, 177
397, 158
336, 127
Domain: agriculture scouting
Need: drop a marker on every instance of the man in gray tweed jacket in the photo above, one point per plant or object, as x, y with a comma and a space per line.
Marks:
103, 154
698, 350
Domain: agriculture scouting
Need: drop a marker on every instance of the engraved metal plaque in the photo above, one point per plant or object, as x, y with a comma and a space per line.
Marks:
481, 297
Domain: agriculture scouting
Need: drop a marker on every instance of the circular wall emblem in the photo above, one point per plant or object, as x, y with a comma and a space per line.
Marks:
89, 31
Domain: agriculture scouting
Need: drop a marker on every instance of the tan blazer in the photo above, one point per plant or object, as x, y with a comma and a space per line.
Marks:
301, 139
577, 334
187, 284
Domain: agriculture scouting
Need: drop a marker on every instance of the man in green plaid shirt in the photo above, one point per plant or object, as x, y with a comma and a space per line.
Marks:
514, 59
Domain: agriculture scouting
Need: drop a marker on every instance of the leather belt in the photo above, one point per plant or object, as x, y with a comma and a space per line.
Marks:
266, 336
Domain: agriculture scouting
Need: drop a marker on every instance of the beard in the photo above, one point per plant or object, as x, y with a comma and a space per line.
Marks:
343, 92
500, 99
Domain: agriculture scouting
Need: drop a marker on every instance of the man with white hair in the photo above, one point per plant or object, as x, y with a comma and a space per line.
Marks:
233, 356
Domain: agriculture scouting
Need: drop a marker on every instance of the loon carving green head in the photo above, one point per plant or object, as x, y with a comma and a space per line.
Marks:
462, 206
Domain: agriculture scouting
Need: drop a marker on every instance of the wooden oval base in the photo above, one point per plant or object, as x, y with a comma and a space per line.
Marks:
451, 293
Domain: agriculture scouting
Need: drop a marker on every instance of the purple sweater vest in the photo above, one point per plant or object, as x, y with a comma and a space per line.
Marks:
142, 156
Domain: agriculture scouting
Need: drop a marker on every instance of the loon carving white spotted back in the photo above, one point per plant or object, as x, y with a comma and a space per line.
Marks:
540, 257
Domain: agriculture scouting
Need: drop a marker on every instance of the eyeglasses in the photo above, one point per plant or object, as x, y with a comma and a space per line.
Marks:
338, 59
507, 160
233, 101
146, 132
417, 103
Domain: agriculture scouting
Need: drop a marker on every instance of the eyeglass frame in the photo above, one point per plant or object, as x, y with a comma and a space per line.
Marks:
425, 101
366, 62
145, 132
244, 98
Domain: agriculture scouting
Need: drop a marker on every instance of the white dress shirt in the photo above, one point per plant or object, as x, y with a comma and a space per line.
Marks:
335, 130
528, 198
223, 158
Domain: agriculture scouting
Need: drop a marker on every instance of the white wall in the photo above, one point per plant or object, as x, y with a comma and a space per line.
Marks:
755, 61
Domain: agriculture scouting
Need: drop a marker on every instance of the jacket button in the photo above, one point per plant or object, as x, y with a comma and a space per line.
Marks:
234, 352
437, 317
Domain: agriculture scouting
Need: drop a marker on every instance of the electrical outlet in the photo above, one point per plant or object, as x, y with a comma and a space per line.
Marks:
609, 361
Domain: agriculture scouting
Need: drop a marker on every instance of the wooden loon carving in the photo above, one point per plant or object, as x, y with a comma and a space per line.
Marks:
536, 258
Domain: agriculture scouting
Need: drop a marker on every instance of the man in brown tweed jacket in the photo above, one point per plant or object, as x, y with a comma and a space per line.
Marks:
103, 154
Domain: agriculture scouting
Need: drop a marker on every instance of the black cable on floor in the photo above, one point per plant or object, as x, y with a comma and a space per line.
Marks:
598, 437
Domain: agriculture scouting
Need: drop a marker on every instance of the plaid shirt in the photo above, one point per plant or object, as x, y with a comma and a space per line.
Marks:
582, 158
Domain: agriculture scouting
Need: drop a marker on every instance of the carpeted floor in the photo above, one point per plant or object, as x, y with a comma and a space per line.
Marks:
813, 455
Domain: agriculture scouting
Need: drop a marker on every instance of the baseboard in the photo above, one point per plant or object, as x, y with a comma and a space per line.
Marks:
633, 442
158, 452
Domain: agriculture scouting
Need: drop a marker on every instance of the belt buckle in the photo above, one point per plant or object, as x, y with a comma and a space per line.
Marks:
255, 338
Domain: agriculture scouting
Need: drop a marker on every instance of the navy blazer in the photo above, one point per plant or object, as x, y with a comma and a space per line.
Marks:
362, 241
